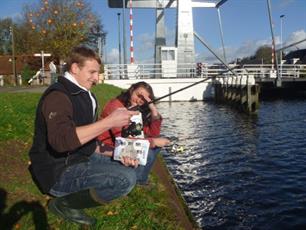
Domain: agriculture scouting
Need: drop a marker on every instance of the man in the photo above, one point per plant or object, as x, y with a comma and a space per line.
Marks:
52, 68
64, 161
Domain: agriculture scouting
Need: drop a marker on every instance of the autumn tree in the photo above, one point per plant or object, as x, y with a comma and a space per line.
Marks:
56, 26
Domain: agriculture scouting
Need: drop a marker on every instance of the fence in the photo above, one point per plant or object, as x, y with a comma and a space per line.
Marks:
199, 70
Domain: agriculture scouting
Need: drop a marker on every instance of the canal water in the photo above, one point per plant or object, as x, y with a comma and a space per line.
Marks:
240, 172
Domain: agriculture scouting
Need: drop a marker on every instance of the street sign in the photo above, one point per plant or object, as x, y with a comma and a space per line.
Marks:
42, 54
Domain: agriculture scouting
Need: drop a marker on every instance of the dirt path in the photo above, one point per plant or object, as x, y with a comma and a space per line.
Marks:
31, 89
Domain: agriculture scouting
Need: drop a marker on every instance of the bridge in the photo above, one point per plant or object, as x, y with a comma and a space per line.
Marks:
170, 78
172, 64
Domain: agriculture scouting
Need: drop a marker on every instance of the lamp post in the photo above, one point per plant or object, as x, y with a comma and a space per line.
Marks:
105, 51
281, 38
13, 55
119, 38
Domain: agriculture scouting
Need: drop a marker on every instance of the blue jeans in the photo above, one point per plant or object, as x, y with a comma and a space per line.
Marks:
109, 178
142, 172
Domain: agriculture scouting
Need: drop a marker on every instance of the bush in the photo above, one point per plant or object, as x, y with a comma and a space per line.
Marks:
27, 73
9, 80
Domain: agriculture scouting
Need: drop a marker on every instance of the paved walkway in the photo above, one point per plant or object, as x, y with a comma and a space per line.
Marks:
14, 89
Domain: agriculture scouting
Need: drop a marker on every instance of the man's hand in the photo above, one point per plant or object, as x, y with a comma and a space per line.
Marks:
127, 161
121, 117
117, 119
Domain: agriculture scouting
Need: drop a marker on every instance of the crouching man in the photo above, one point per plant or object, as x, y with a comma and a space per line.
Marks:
64, 161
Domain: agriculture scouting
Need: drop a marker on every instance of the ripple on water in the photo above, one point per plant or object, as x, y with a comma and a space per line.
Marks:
240, 172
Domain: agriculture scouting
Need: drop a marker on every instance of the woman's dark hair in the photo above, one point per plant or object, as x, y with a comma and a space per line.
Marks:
125, 97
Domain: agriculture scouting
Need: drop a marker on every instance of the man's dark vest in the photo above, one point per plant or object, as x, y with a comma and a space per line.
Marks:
47, 164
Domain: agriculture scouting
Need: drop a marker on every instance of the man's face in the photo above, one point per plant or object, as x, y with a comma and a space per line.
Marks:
88, 74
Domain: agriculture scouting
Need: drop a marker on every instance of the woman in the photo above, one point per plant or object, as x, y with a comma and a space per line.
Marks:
139, 94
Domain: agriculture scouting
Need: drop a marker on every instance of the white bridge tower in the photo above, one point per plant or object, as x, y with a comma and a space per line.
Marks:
184, 40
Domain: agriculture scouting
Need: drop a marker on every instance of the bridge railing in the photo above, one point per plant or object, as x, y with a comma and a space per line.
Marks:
285, 70
199, 70
143, 71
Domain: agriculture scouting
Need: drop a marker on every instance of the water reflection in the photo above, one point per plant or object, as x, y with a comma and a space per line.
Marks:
240, 172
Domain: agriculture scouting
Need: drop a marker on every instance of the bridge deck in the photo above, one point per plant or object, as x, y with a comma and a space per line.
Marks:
289, 86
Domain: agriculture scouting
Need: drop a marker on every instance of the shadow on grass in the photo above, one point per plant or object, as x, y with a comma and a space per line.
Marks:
9, 219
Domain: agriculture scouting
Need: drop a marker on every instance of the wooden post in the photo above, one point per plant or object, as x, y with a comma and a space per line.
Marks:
239, 92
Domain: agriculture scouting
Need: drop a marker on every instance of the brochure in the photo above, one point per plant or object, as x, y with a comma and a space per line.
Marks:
133, 148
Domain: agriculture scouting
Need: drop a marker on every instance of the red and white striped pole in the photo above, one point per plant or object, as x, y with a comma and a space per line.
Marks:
131, 34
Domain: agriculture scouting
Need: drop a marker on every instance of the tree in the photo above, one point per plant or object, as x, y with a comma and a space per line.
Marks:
262, 55
5, 36
56, 26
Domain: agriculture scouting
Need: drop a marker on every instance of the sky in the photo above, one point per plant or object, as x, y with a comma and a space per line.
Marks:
245, 26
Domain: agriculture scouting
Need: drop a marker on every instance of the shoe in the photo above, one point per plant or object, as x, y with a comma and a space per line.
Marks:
73, 215
70, 207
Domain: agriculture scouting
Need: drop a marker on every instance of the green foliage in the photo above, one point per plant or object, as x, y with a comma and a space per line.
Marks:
262, 55
5, 38
27, 73
56, 26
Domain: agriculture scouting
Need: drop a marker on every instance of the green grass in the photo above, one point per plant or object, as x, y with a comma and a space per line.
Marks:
105, 92
24, 207
17, 115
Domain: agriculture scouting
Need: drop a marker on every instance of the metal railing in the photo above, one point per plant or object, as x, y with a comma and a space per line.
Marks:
199, 70
143, 71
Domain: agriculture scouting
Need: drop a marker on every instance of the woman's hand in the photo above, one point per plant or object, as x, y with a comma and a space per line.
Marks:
160, 141
152, 107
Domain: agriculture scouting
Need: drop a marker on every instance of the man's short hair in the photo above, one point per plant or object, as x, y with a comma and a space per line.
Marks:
80, 54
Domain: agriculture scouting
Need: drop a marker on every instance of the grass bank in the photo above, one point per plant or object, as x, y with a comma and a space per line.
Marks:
22, 206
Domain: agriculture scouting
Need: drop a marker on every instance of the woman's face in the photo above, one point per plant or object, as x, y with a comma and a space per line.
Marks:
139, 96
